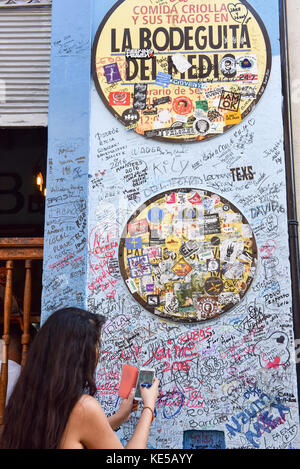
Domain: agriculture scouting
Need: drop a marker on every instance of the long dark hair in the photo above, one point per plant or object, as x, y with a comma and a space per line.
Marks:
59, 369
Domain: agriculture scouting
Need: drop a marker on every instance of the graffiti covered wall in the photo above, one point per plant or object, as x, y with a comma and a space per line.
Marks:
185, 231
187, 220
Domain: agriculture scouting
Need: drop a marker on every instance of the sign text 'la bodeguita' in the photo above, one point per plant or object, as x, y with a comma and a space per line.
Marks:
189, 39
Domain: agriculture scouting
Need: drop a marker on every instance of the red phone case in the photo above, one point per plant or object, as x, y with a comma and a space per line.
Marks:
128, 380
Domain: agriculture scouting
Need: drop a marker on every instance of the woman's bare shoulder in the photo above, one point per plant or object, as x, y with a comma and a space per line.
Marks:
85, 406
86, 414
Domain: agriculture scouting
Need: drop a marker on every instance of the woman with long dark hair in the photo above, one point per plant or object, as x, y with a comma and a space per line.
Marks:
52, 405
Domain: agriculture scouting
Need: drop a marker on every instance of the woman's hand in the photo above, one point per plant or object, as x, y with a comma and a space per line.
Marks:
127, 406
150, 394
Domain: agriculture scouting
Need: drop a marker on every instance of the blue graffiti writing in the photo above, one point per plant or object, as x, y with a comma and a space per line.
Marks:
265, 422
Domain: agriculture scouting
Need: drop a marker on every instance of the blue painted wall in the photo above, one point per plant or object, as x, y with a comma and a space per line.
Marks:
64, 276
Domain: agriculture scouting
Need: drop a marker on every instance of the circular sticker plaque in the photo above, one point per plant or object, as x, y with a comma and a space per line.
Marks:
181, 71
188, 255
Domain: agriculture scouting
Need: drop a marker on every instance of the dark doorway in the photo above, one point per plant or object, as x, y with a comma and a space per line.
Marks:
23, 163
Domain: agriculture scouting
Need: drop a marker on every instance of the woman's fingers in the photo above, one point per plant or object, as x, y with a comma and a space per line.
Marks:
135, 406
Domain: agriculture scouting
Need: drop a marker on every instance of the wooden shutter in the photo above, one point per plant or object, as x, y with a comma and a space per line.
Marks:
25, 42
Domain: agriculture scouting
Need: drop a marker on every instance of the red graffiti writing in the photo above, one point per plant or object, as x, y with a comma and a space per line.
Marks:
197, 335
268, 249
61, 263
103, 247
171, 353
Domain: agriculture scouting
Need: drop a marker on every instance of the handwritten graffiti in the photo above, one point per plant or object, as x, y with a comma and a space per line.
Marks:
260, 419
103, 246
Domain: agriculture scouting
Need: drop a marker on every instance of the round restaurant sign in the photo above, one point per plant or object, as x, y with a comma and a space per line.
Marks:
188, 255
181, 71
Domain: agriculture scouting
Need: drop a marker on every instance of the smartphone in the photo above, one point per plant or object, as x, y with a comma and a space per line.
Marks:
146, 376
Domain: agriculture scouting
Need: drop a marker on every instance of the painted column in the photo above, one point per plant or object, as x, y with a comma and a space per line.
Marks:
64, 275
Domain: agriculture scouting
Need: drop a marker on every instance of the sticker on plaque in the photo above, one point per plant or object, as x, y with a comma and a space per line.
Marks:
112, 73
211, 224
153, 300
207, 308
205, 255
228, 66
140, 96
233, 117
130, 117
189, 248
181, 63
119, 98
171, 199
134, 243
139, 266
226, 298
182, 268
161, 101
171, 303
131, 285
247, 69
230, 101
230, 248
201, 126
138, 227
214, 286
153, 252
202, 105
196, 199
213, 115
150, 110
163, 79
146, 284
139, 53
213, 265
234, 271
156, 215
208, 203
182, 105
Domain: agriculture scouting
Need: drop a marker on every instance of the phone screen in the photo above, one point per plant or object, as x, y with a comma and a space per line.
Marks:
145, 376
